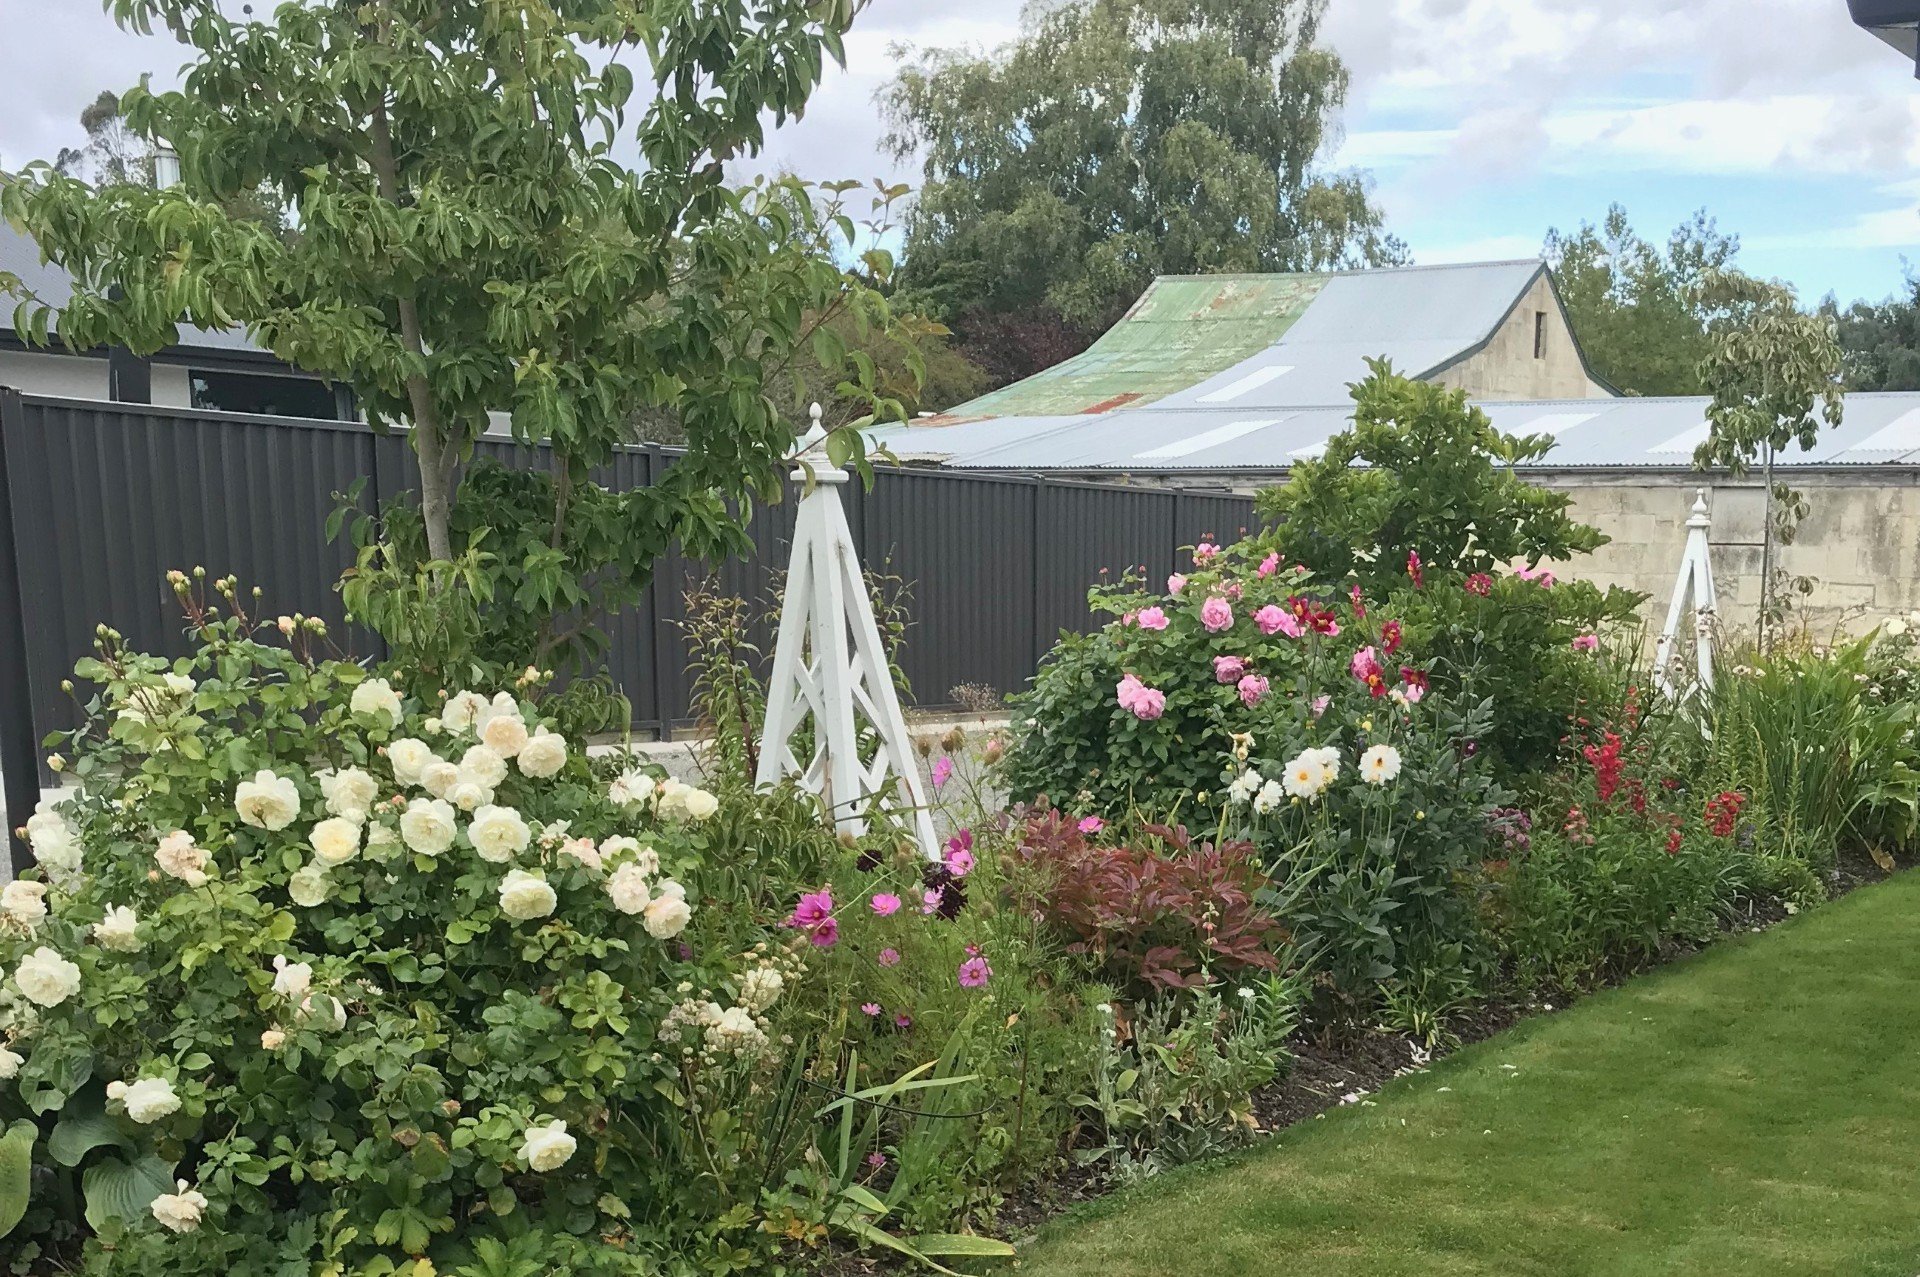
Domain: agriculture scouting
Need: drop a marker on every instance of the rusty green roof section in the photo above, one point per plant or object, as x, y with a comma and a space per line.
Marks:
1182, 330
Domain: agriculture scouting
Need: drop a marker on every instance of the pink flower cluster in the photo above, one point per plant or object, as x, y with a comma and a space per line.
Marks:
1145, 703
1586, 642
814, 915
1539, 576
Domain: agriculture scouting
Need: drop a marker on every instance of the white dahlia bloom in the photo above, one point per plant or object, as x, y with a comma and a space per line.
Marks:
1380, 764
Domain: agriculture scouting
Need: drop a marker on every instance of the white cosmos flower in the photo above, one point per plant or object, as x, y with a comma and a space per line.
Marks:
667, 914
45, 978
376, 696
24, 902
409, 757
462, 711
630, 787
481, 765
349, 792
525, 896
1380, 764
543, 754
628, 888
119, 930
335, 840
180, 1211
505, 732
439, 778
291, 980
498, 833
10, 1062
148, 1099
427, 826
267, 801
547, 1148
179, 858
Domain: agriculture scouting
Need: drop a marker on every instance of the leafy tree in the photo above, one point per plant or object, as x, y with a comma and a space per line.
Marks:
1880, 341
469, 240
112, 153
1119, 139
1637, 307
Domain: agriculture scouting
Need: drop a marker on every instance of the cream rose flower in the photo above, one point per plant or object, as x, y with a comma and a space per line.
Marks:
376, 696
10, 1062
547, 1148
308, 887
45, 978
698, 804
180, 1211
272, 1039
267, 801
427, 826
349, 792
439, 777
543, 755
482, 766
468, 796
56, 845
668, 913
291, 980
525, 896
505, 734
24, 902
335, 840
462, 711
498, 834
118, 931
628, 888
630, 788
179, 858
409, 758
148, 1099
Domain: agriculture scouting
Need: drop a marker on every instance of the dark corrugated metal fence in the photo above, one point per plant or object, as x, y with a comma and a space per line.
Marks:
98, 500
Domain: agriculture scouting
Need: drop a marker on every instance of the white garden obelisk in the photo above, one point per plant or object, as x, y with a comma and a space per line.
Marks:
1696, 574
830, 666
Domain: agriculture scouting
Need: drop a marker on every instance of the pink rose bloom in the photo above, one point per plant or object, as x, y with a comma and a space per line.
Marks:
1320, 704
1586, 642
1273, 619
870, 1008
885, 903
1176, 583
1205, 551
1233, 591
1150, 704
1091, 824
1252, 688
1127, 690
1268, 566
1228, 669
889, 957
974, 973
1152, 618
1216, 614
1126, 618
959, 861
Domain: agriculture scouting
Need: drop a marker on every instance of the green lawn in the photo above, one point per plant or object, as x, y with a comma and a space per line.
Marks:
1752, 1110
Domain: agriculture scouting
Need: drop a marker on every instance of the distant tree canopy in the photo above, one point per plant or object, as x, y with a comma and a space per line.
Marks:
1639, 309
1880, 341
1115, 140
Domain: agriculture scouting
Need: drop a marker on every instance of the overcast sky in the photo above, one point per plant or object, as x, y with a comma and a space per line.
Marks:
1484, 122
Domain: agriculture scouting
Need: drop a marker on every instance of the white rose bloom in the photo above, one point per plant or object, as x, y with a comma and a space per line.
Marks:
148, 1099
267, 801
525, 896
439, 777
180, 1211
335, 840
667, 914
621, 845
10, 1062
1894, 628
462, 711
630, 788
627, 886
667, 795
760, 988
547, 1148
376, 696
468, 796
381, 840
56, 843
544, 754
291, 980
698, 804
409, 757
179, 858
584, 851
1380, 764
323, 1010
505, 734
481, 765
45, 978
24, 902
428, 826
349, 793
498, 834
272, 1039
308, 887
119, 930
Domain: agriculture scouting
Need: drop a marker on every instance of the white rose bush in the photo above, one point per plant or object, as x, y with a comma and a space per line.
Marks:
312, 981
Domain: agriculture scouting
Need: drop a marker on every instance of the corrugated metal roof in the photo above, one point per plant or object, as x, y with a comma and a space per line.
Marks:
1879, 428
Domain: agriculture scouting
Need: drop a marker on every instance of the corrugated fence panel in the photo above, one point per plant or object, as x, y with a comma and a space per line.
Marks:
1089, 534
1208, 516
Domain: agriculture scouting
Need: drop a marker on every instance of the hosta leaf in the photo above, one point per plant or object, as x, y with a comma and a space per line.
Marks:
123, 1191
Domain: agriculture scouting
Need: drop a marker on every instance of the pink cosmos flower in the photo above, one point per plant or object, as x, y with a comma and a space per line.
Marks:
974, 973
826, 935
876, 1160
889, 957
1273, 619
1205, 551
903, 1021
1586, 642
1252, 688
1152, 618
959, 861
1216, 614
1320, 704
885, 903
930, 900
942, 770
870, 1008
815, 907
1228, 669
1176, 583
1091, 824
1268, 566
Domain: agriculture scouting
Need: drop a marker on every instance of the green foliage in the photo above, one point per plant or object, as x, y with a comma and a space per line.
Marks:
1880, 341
1115, 140
1773, 371
1636, 307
